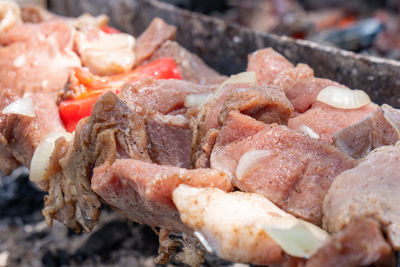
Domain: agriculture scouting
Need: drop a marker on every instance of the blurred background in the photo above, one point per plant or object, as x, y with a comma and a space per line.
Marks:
366, 26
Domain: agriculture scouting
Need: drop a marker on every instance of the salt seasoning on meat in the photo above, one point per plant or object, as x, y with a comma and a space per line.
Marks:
267, 64
149, 96
143, 191
264, 103
113, 131
37, 58
380, 128
325, 120
371, 189
361, 243
169, 138
291, 169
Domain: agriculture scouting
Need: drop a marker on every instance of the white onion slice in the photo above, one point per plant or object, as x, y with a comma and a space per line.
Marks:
296, 237
243, 77
41, 157
343, 98
22, 106
308, 131
197, 100
10, 15
250, 161
203, 241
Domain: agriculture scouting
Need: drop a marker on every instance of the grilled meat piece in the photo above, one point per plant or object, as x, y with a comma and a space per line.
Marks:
150, 96
370, 190
191, 67
291, 169
113, 131
20, 134
360, 243
152, 38
48, 47
169, 138
264, 103
380, 128
143, 191
325, 120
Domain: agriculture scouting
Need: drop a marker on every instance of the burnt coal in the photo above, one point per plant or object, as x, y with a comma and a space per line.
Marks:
59, 258
107, 238
19, 198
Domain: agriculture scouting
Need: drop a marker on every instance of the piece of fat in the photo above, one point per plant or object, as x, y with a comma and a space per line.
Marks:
246, 227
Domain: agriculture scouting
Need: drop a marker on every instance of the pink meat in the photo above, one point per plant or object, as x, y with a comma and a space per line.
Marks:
303, 93
36, 32
371, 189
264, 103
164, 96
267, 63
380, 128
295, 173
191, 67
143, 191
169, 138
152, 38
326, 120
298, 83
20, 134
361, 243
37, 58
288, 78
238, 127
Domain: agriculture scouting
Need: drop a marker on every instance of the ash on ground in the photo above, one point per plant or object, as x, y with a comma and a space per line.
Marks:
26, 240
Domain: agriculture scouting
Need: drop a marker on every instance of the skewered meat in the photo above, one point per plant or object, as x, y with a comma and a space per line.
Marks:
143, 191
152, 38
368, 190
191, 67
37, 58
325, 120
378, 129
291, 169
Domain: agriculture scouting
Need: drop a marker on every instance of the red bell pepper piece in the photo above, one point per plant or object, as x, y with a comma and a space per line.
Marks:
163, 68
109, 29
72, 111
91, 87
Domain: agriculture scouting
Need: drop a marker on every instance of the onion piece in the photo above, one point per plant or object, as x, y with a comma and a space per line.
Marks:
22, 106
10, 15
203, 241
250, 161
308, 131
243, 77
41, 157
296, 237
343, 98
197, 100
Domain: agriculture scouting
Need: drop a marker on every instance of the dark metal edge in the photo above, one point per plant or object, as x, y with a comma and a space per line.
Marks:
225, 46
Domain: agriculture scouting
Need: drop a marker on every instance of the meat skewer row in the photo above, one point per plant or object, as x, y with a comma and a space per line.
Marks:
169, 152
